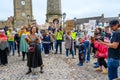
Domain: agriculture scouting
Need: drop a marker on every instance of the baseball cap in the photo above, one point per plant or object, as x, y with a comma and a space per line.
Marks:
113, 23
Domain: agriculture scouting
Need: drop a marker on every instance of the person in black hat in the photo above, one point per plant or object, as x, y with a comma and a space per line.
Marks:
114, 50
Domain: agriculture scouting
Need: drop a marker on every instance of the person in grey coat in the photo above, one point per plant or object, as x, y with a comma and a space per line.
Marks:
69, 44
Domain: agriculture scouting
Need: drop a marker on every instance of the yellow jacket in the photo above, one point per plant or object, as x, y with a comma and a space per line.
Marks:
73, 35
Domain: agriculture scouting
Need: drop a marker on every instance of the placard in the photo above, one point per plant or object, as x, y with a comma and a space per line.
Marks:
69, 25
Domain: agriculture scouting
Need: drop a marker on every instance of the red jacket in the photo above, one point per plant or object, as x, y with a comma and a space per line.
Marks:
3, 37
102, 50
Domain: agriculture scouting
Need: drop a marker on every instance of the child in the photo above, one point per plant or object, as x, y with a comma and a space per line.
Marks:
81, 50
46, 43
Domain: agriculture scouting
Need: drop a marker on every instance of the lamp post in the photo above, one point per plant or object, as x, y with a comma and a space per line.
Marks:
63, 16
75, 19
28, 17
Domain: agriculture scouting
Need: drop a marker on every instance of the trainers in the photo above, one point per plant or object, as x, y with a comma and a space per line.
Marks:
105, 71
80, 64
41, 71
87, 61
96, 66
98, 69
95, 63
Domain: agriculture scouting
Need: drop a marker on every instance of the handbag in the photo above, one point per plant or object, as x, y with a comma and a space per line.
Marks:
32, 45
31, 49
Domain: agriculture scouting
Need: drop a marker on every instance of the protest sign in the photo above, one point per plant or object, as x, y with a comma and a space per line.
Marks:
69, 25
91, 28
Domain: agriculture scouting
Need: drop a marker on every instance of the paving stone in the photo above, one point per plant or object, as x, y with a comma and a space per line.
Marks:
57, 67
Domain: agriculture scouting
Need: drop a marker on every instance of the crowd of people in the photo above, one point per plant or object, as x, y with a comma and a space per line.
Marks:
104, 46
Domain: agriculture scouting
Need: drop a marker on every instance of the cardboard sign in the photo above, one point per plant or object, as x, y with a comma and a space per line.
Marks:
91, 28
69, 25
92, 24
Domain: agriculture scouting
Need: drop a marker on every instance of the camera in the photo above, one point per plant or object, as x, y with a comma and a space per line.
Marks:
101, 38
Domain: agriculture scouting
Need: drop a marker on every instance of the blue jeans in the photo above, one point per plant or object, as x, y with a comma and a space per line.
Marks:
46, 48
59, 43
12, 45
71, 51
87, 47
113, 68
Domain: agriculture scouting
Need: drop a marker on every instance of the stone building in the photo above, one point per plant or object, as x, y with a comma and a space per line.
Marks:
9, 22
100, 21
22, 13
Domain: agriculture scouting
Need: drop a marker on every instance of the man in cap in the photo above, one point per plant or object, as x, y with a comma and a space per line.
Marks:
114, 50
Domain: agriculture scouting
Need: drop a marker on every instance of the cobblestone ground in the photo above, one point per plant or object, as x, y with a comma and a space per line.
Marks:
57, 67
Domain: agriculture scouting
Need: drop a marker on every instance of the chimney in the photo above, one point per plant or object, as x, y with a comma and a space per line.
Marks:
118, 16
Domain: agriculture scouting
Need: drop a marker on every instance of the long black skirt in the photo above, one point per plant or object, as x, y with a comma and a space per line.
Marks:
35, 58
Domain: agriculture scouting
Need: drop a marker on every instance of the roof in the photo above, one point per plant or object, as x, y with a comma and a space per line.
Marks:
86, 20
108, 19
99, 19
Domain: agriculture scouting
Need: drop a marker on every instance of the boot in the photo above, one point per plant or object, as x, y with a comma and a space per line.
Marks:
23, 55
23, 58
41, 70
29, 71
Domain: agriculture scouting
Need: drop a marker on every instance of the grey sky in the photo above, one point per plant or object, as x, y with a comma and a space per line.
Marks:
73, 8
